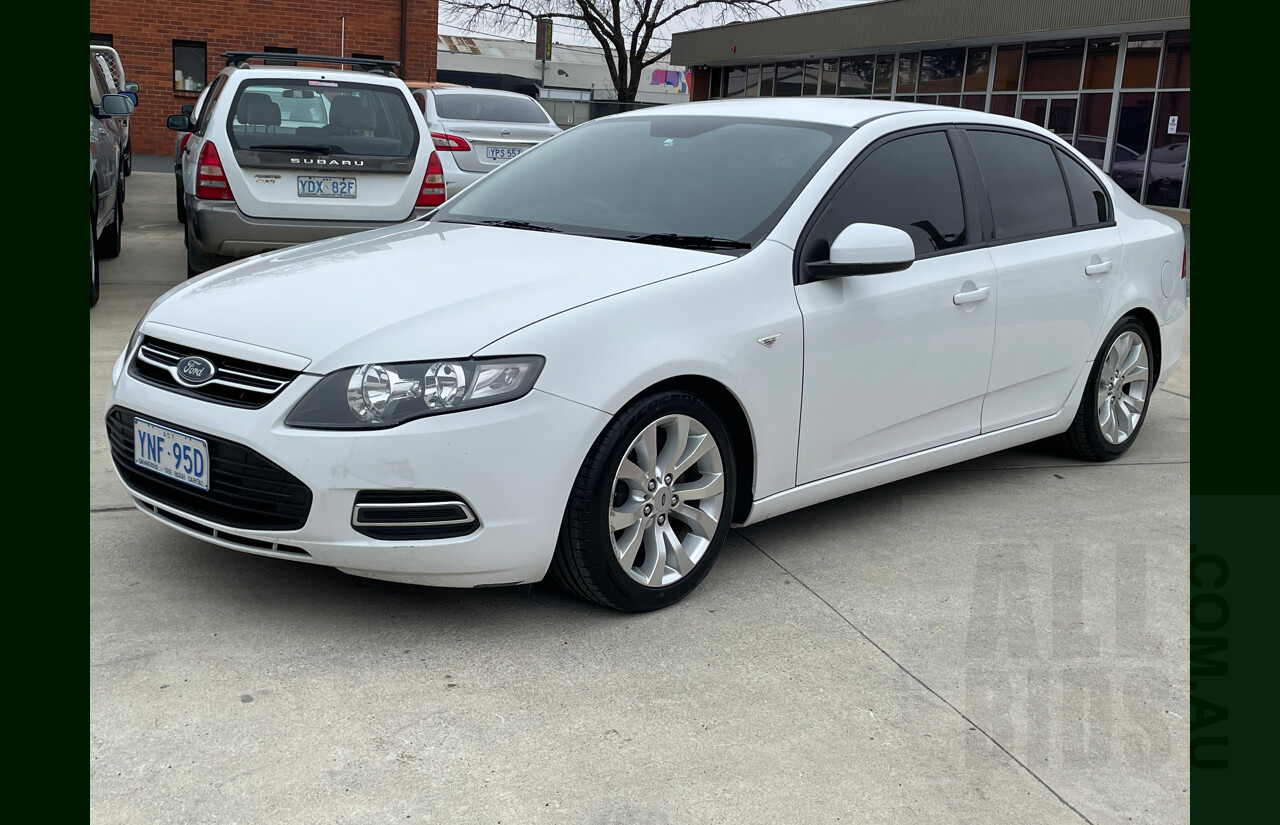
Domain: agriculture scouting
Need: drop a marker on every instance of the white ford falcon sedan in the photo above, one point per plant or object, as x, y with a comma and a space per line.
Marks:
599, 357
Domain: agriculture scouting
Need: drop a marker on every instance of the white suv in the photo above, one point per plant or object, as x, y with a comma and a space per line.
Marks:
282, 155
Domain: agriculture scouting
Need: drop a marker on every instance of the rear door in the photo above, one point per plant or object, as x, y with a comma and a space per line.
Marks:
1057, 253
322, 149
495, 127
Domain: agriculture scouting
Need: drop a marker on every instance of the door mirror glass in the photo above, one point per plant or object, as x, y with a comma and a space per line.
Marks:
179, 123
116, 106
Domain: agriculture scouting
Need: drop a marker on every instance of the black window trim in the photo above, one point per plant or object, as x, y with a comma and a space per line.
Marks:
984, 199
969, 198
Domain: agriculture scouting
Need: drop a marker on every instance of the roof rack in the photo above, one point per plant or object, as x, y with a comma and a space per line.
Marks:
369, 65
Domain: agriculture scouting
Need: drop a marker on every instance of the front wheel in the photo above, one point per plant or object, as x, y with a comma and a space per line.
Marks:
651, 506
1115, 400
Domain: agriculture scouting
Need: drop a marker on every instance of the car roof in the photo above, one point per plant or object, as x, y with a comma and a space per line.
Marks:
841, 111
329, 73
469, 90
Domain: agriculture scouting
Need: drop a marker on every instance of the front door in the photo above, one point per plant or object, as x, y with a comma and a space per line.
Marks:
897, 362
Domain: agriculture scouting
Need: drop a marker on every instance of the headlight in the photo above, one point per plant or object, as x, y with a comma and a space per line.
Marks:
375, 396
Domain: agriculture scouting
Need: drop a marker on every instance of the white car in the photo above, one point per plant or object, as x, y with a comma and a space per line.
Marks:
593, 361
281, 155
477, 130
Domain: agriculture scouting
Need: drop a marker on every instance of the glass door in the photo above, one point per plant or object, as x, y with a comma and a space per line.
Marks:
1057, 113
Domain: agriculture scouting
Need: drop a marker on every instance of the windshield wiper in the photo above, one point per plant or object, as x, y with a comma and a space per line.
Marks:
290, 147
508, 224
687, 241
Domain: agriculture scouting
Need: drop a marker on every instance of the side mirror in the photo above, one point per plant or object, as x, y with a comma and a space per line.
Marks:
865, 249
188, 109
115, 106
130, 86
133, 97
179, 123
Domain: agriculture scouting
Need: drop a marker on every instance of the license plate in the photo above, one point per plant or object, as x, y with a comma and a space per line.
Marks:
311, 186
502, 153
171, 453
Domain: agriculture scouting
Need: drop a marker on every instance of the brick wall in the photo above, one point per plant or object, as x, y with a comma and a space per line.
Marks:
143, 32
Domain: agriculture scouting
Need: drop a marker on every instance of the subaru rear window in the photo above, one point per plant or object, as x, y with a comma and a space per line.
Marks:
497, 108
324, 117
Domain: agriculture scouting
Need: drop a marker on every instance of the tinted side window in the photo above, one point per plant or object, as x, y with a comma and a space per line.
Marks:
1087, 195
909, 183
207, 110
1024, 183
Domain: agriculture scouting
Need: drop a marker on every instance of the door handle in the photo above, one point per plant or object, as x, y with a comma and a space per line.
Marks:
971, 297
1098, 269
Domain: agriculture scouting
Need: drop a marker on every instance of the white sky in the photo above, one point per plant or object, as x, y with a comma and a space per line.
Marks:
578, 35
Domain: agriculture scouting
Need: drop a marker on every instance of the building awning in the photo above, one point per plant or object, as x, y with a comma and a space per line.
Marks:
888, 23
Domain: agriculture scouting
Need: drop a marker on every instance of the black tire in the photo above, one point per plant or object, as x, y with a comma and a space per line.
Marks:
585, 563
109, 242
197, 264
182, 206
95, 271
1085, 438
128, 157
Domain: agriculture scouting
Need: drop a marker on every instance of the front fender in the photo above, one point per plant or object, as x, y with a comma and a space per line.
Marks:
707, 323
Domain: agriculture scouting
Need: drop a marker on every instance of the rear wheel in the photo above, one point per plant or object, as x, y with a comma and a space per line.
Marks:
95, 275
1115, 400
197, 264
109, 243
651, 506
182, 205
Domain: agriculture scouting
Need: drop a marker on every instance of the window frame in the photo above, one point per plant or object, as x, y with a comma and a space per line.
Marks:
190, 44
968, 198
984, 196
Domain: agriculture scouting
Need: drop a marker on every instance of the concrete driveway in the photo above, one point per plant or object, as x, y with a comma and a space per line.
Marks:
1001, 641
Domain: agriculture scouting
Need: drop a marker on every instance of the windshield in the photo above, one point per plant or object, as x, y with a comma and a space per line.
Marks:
497, 108
322, 116
714, 177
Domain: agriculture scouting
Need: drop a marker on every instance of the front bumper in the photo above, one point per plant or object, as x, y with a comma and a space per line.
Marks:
220, 229
515, 463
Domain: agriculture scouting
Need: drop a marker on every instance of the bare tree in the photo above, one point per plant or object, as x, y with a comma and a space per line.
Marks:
625, 29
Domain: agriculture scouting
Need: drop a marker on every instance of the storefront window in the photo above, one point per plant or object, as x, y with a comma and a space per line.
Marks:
717, 80
942, 70
908, 70
753, 81
829, 78
736, 84
856, 75
885, 69
977, 103
1008, 69
1170, 146
1142, 61
1100, 63
1177, 61
789, 80
812, 69
766, 80
1095, 117
1133, 133
1053, 66
977, 69
1006, 105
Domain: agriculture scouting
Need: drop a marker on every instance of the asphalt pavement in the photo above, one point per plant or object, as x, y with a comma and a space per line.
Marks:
1002, 641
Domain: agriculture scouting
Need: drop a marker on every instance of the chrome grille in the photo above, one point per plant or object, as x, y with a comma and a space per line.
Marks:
236, 382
